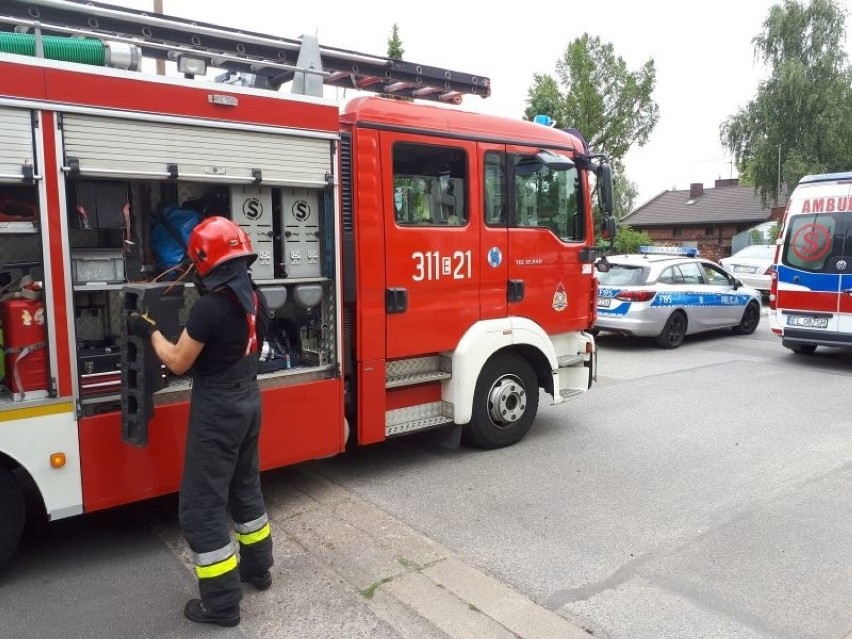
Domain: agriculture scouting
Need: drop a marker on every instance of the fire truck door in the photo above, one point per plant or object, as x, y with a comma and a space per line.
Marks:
548, 229
432, 235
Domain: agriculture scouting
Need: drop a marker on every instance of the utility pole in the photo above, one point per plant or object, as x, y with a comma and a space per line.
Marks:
161, 64
778, 191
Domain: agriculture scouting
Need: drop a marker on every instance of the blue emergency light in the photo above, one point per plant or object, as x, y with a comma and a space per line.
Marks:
545, 120
684, 251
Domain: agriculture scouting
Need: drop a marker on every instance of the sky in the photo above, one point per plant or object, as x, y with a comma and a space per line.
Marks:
704, 56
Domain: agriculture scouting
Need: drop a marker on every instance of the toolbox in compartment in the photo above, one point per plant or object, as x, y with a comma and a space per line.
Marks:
103, 266
100, 370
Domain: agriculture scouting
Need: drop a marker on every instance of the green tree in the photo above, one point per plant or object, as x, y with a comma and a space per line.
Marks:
395, 50
799, 117
595, 92
624, 191
627, 240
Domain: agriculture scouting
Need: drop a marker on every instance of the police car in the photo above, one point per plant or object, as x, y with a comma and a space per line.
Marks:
669, 293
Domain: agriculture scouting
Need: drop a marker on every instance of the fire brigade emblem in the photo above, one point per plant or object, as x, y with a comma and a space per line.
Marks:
495, 257
560, 299
841, 265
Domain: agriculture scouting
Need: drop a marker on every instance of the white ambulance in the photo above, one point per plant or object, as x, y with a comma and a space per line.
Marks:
811, 294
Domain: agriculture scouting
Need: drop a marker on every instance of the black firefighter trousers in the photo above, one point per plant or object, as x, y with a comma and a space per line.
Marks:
221, 472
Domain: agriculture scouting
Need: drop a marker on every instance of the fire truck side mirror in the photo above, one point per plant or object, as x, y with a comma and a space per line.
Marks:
605, 196
608, 227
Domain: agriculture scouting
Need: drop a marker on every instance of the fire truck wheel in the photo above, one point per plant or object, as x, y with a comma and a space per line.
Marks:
505, 402
751, 318
673, 332
12, 515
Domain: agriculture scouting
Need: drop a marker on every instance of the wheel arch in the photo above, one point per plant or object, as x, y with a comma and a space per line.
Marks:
25, 480
483, 341
26, 451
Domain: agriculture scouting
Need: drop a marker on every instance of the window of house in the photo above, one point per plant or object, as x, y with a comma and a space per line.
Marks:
429, 185
676, 232
709, 231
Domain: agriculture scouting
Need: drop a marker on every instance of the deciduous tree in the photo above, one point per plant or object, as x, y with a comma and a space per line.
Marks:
595, 92
799, 117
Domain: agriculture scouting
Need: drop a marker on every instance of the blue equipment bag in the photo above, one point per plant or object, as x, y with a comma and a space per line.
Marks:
170, 235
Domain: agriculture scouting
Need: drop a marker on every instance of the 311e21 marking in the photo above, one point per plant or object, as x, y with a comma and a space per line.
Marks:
431, 265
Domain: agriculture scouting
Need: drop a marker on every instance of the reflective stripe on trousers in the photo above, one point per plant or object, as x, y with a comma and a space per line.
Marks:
215, 563
253, 531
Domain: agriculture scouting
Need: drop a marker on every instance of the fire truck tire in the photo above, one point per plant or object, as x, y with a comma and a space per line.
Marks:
12, 515
505, 402
673, 332
751, 318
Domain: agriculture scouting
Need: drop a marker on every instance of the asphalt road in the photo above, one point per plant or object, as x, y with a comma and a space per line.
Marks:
700, 492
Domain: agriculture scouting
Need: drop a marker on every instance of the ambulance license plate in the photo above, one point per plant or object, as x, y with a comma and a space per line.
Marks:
604, 302
807, 322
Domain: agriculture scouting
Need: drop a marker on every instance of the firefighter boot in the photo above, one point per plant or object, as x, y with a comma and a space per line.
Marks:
261, 582
197, 612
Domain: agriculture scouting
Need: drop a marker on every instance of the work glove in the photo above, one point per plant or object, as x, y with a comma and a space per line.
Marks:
141, 325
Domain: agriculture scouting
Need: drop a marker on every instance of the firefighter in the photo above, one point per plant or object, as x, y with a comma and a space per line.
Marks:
220, 344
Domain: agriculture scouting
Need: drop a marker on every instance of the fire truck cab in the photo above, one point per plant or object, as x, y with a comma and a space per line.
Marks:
426, 267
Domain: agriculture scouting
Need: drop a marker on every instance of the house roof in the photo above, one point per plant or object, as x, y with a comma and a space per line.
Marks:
723, 204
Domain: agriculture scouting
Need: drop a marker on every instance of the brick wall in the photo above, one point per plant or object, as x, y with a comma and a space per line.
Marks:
713, 241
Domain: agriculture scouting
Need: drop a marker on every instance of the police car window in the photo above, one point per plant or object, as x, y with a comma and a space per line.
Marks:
715, 276
621, 275
691, 273
812, 240
671, 275
429, 185
547, 198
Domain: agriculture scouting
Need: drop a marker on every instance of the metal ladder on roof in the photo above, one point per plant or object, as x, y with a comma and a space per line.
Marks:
272, 60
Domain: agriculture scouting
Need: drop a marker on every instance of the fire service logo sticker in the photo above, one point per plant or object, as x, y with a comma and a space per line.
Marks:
560, 299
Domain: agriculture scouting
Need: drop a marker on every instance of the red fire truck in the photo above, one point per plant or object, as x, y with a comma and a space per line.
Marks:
426, 267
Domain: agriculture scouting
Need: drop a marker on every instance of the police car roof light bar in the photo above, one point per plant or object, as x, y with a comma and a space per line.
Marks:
275, 60
683, 251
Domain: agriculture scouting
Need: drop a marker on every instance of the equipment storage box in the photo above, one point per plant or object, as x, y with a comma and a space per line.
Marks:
100, 370
102, 266
24, 343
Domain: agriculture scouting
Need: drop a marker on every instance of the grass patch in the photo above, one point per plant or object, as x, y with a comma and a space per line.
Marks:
407, 564
370, 590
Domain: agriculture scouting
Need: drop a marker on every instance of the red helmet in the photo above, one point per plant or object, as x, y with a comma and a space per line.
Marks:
217, 240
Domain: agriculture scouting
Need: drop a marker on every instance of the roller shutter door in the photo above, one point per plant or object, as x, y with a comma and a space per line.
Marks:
99, 146
16, 143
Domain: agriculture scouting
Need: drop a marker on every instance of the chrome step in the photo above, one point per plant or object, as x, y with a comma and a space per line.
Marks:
412, 418
566, 361
416, 378
417, 370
